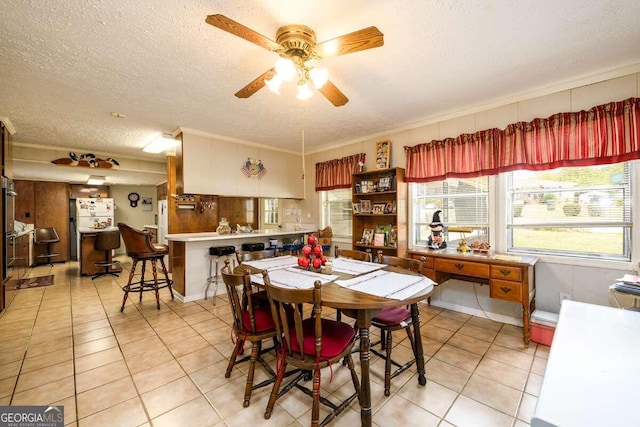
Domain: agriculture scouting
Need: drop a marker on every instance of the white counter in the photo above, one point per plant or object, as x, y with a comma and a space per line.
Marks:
196, 256
592, 375
213, 236
96, 230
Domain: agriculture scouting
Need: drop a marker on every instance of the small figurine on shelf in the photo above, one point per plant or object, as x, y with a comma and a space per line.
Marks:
436, 238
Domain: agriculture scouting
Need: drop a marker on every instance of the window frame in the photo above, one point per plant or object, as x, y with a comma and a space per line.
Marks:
324, 221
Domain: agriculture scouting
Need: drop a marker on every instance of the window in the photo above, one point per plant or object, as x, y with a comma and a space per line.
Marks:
463, 202
336, 211
578, 211
271, 212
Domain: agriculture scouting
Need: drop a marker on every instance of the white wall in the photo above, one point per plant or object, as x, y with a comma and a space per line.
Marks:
135, 217
587, 282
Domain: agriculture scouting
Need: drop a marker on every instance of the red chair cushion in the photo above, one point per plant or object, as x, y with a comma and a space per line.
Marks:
336, 336
260, 299
262, 316
392, 316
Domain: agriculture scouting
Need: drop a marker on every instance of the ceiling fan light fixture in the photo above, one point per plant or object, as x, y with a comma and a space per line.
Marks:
303, 91
285, 69
319, 76
274, 83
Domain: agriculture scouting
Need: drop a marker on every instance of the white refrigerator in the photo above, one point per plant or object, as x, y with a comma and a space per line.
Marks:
94, 213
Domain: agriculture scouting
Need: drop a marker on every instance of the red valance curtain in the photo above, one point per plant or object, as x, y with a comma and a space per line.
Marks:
605, 134
336, 173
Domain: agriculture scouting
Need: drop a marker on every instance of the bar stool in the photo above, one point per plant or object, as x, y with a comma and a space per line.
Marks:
141, 248
217, 254
46, 237
107, 241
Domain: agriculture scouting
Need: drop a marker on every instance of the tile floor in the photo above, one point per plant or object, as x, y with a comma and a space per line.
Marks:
68, 344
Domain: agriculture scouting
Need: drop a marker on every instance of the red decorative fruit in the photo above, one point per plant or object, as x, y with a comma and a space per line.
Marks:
324, 260
317, 263
306, 250
317, 251
304, 262
301, 260
312, 240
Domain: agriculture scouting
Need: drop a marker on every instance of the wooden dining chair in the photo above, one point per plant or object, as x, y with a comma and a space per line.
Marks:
252, 323
308, 344
391, 319
352, 254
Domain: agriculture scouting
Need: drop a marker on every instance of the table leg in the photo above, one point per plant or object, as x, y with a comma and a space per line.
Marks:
417, 338
365, 385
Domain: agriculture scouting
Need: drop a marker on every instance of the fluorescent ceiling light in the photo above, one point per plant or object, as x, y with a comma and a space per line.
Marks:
96, 180
164, 142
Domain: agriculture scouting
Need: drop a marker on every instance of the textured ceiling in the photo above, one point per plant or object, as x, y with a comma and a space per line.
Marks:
65, 65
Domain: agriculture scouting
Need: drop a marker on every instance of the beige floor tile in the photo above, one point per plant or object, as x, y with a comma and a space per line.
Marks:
158, 376
47, 359
90, 326
514, 342
188, 345
485, 323
444, 322
504, 374
436, 333
534, 383
49, 346
101, 375
44, 375
11, 369
50, 392
432, 396
211, 377
94, 360
169, 396
478, 332
461, 358
447, 375
468, 343
405, 413
493, 394
142, 346
128, 413
510, 357
539, 365
7, 386
129, 336
467, 412
92, 335
198, 411
104, 397
527, 406
95, 346
199, 359
178, 335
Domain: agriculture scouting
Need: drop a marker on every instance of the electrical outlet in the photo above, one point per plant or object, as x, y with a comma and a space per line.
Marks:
564, 296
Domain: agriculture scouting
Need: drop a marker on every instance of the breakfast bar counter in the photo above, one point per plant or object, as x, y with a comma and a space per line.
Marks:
190, 256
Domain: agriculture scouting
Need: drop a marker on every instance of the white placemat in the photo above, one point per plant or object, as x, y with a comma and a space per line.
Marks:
388, 284
354, 266
276, 263
294, 278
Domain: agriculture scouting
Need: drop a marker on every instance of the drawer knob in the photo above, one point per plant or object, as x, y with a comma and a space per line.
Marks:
459, 266
505, 272
505, 289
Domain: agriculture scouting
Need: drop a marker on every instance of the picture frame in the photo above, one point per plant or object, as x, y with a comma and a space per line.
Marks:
358, 188
383, 154
378, 208
365, 206
388, 208
378, 239
356, 208
385, 183
367, 236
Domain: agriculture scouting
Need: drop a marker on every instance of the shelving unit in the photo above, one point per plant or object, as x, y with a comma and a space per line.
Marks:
385, 191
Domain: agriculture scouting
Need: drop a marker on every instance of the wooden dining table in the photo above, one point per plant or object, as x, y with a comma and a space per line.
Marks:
363, 307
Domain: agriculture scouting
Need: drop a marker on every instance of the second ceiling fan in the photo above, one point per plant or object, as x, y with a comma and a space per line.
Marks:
296, 44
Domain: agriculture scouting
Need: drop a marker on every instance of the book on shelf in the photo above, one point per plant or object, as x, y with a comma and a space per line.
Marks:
630, 279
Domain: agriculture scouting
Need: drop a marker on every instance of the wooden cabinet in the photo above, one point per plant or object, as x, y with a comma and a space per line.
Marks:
380, 208
510, 278
45, 204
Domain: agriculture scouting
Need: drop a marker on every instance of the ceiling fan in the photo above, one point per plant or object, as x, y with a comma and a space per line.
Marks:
296, 44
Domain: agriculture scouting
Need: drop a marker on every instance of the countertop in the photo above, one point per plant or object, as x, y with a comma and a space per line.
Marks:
592, 374
202, 237
96, 230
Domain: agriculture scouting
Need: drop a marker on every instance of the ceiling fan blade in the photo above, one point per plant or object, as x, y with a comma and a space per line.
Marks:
255, 85
237, 29
367, 38
333, 94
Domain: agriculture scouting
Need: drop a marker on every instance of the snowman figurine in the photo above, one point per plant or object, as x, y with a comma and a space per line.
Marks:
436, 238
